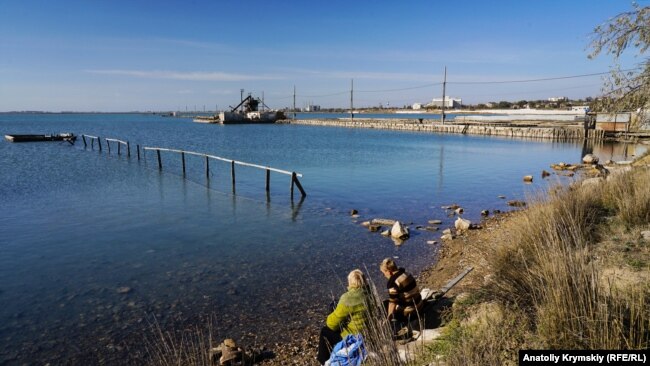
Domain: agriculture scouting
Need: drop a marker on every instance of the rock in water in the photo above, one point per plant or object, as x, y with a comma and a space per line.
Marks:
385, 222
353, 212
435, 222
485, 213
590, 159
545, 174
385, 233
462, 224
399, 231
373, 228
123, 290
528, 178
459, 210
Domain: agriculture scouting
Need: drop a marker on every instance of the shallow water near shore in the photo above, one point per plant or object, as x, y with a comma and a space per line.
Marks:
94, 245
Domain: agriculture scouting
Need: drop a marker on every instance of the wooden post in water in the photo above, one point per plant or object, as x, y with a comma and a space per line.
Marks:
297, 183
137, 146
83, 137
232, 173
183, 161
99, 142
119, 150
159, 161
92, 144
108, 145
293, 179
268, 180
207, 167
128, 149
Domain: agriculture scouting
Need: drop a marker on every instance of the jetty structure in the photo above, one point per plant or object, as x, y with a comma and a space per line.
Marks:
247, 111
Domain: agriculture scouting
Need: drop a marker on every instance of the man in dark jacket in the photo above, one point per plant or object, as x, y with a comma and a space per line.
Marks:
404, 297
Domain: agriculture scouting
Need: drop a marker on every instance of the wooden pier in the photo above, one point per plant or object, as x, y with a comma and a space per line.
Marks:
294, 181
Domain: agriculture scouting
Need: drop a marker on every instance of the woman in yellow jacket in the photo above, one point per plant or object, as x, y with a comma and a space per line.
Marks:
349, 317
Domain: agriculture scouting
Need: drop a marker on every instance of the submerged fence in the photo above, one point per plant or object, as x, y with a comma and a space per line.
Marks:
294, 181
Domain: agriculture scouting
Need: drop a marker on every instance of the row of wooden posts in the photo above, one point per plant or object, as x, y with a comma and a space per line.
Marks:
295, 182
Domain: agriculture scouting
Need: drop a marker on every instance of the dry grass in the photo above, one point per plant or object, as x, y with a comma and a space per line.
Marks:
378, 334
186, 347
548, 274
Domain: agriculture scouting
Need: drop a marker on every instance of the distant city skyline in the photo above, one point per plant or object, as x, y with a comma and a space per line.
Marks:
110, 56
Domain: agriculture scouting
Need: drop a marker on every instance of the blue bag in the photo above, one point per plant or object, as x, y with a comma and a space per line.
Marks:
349, 352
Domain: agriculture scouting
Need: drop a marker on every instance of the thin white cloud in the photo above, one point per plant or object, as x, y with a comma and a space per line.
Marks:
189, 76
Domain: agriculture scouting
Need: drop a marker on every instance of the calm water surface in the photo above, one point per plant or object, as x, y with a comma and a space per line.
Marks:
78, 225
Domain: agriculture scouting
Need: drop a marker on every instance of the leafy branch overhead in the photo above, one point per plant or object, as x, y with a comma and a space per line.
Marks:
625, 90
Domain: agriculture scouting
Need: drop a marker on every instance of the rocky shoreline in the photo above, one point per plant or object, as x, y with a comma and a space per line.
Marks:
462, 248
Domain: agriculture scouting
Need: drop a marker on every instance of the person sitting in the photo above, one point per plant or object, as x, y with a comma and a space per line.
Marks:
349, 316
404, 299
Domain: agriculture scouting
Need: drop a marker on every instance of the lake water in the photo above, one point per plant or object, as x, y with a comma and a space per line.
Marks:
77, 225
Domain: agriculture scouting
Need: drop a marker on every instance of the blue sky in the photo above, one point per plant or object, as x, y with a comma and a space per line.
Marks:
168, 55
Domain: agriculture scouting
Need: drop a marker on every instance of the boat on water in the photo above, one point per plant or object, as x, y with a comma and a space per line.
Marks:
245, 112
69, 137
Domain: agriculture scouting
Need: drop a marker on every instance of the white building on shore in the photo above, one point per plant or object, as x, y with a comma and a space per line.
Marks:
449, 102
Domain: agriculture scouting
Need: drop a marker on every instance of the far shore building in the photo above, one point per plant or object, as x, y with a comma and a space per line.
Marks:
558, 99
311, 108
416, 106
449, 102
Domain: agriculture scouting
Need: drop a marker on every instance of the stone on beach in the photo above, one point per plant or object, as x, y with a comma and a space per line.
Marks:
462, 224
447, 237
590, 159
646, 235
399, 231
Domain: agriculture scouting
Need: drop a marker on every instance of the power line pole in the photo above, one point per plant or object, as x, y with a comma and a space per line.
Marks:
444, 84
351, 98
294, 102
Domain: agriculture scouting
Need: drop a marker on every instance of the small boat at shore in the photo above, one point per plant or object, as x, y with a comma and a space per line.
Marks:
69, 137
245, 112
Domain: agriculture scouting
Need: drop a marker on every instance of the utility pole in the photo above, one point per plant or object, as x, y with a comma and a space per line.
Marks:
351, 98
444, 84
294, 102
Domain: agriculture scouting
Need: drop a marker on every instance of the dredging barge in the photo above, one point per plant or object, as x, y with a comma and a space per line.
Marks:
245, 112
